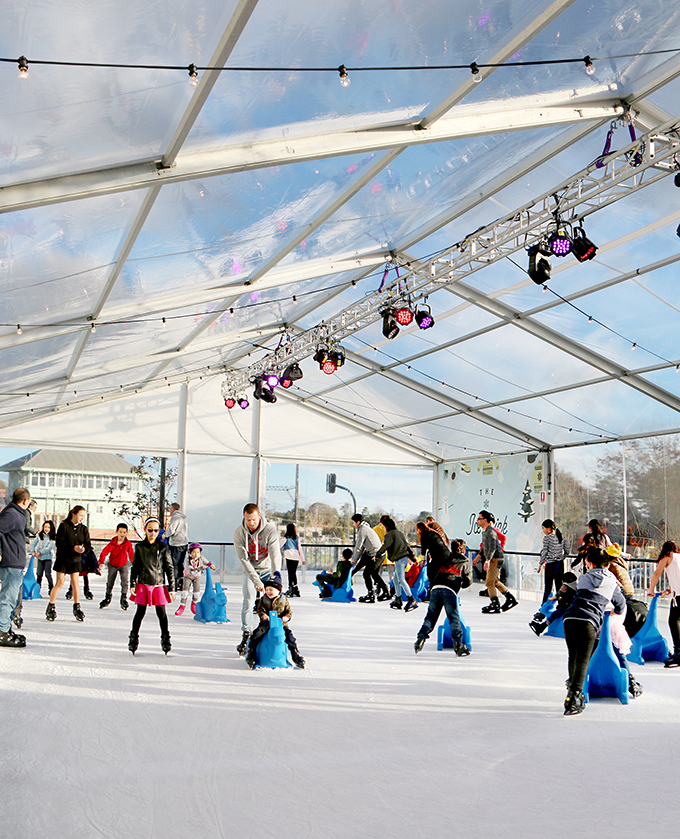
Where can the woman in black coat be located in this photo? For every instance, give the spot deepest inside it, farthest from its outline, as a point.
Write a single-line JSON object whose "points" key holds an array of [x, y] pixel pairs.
{"points": [[73, 540]]}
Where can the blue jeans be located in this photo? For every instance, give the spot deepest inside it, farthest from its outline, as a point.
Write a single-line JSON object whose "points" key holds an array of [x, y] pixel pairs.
{"points": [[400, 583], [249, 595], [445, 598], [10, 583]]}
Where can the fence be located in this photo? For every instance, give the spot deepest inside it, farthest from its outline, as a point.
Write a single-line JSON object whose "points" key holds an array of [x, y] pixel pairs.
{"points": [[520, 566]]}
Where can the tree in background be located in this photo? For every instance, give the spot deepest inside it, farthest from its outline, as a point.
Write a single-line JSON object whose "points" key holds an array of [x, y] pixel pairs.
{"points": [[146, 501]]}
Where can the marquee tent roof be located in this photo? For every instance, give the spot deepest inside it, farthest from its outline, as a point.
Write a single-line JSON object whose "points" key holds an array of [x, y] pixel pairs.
{"points": [[154, 233]]}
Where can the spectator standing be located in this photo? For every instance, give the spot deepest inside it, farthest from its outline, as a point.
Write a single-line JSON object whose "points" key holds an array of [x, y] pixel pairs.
{"points": [[178, 540], [12, 563]]}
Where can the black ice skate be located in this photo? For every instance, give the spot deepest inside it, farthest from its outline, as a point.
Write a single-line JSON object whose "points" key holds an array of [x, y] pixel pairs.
{"points": [[634, 687], [50, 612], [9, 639], [419, 644], [384, 596], [494, 607], [460, 649], [410, 604], [367, 598], [510, 602], [78, 613], [124, 605], [133, 642], [243, 646], [166, 646], [574, 703], [105, 602], [539, 626], [673, 660], [396, 603]]}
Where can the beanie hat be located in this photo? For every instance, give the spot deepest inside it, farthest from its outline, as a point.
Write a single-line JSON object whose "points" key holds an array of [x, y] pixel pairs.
{"points": [[274, 580], [195, 545]]}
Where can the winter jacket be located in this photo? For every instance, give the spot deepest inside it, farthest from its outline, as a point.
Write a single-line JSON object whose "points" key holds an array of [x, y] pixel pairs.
{"points": [[291, 550], [552, 549], [193, 568], [118, 555], [44, 547], [176, 531], [340, 573], [619, 568], [68, 536], [594, 590], [395, 545], [367, 541], [152, 565], [12, 538], [258, 552], [491, 544], [279, 604], [29, 532]]}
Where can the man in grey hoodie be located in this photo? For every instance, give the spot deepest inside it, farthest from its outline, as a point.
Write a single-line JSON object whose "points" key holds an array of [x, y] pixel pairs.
{"points": [[256, 542], [178, 541]]}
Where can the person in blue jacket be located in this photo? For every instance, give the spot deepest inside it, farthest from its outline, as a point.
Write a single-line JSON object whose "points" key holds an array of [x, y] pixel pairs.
{"points": [[12, 563]]}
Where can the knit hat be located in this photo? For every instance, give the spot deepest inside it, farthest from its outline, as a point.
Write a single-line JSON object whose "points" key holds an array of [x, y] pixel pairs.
{"points": [[274, 581], [195, 545], [614, 550]]}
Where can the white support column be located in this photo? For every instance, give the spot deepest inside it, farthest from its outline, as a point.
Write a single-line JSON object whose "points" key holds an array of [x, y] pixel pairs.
{"points": [[256, 433], [182, 445], [550, 483]]}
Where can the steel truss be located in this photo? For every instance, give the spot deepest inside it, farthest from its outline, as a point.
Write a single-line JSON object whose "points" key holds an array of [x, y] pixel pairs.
{"points": [[651, 157]]}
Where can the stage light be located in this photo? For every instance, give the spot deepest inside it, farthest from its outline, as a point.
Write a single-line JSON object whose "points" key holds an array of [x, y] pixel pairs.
{"points": [[337, 357], [581, 246], [328, 367], [390, 327], [243, 403], [424, 317], [291, 374], [272, 380], [230, 402], [560, 242], [404, 316], [263, 391], [539, 265]]}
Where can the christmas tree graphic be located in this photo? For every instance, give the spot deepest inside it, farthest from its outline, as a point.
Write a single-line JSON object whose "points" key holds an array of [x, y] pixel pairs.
{"points": [[527, 505]]}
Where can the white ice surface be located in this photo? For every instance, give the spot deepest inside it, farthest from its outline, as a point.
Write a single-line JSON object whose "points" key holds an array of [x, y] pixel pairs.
{"points": [[369, 740]]}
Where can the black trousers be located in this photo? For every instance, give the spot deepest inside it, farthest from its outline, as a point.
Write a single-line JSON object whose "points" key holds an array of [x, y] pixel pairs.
{"points": [[553, 573], [139, 617], [371, 567], [674, 623], [291, 567], [581, 637], [262, 629]]}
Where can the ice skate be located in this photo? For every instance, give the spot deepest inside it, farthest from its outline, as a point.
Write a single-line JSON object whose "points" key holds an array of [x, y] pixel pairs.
{"points": [[634, 687], [384, 596], [105, 602], [574, 703], [133, 642], [51, 612], [460, 649], [166, 646], [9, 639], [538, 626], [494, 607], [367, 598], [243, 646], [510, 602], [18, 621], [410, 604], [673, 660], [69, 593], [78, 612], [295, 591], [298, 660], [419, 644], [124, 605], [88, 595], [396, 603]]}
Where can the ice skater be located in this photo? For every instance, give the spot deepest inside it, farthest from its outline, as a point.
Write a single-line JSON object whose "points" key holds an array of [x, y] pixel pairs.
{"points": [[193, 568], [398, 551], [364, 556], [292, 553], [583, 622], [338, 578], [12, 563], [73, 539], [493, 559], [553, 551], [444, 571], [42, 548], [669, 561], [151, 568], [273, 601], [119, 552]]}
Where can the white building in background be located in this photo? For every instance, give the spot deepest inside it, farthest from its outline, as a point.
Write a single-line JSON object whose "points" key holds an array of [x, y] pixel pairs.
{"points": [[58, 480]]}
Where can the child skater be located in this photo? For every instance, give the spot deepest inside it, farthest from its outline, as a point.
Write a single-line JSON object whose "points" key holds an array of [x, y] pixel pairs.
{"points": [[273, 601], [193, 568], [338, 578], [42, 548], [150, 568], [583, 621], [119, 552]]}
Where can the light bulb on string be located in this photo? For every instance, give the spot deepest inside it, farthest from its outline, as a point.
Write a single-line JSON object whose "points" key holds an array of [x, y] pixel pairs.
{"points": [[19, 329], [93, 328], [344, 76], [590, 70], [23, 67], [193, 74], [164, 322], [476, 73]]}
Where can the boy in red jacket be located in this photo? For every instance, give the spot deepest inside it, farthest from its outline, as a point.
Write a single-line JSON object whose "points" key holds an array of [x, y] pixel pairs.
{"points": [[119, 552]]}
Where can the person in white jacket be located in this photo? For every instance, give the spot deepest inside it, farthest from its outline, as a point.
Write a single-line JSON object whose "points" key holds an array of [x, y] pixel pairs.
{"points": [[257, 546]]}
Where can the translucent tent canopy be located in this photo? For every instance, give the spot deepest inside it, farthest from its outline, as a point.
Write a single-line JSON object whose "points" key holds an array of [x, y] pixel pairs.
{"points": [[158, 238]]}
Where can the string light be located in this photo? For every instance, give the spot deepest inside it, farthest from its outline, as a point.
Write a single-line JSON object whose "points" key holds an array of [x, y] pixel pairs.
{"points": [[344, 76], [590, 70], [164, 321], [193, 76], [93, 328], [23, 67], [19, 329], [476, 73]]}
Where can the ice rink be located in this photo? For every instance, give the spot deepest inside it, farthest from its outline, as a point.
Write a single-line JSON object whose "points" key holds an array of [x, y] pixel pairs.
{"points": [[369, 740]]}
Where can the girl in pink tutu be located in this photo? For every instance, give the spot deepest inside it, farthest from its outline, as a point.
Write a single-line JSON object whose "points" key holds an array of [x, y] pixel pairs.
{"points": [[151, 566]]}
